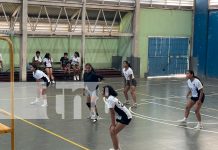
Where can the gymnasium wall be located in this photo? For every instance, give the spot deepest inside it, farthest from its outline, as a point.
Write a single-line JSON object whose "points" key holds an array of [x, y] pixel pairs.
{"points": [[98, 50], [153, 22], [212, 48], [157, 22], [125, 43]]}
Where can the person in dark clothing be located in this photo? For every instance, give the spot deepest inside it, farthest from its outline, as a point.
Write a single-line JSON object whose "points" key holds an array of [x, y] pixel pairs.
{"points": [[91, 83], [65, 65]]}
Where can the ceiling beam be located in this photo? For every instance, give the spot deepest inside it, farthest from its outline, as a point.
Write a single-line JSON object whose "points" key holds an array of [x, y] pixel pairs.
{"points": [[88, 6], [10, 1]]}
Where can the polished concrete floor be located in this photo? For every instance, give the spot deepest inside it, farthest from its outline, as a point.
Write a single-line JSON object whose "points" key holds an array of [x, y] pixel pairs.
{"points": [[154, 126]]}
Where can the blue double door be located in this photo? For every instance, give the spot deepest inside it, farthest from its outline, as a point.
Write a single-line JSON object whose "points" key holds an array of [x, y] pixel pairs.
{"points": [[167, 56]]}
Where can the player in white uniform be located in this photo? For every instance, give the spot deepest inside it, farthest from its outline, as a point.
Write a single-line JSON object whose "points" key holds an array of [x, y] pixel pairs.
{"points": [[75, 65], [48, 66], [197, 98], [123, 114], [42, 83], [129, 83]]}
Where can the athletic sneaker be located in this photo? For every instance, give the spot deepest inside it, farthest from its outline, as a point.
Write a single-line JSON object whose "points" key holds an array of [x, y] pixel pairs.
{"points": [[99, 118], [126, 103], [199, 126], [183, 121], [35, 102], [77, 78], [74, 78], [53, 82], [94, 118], [45, 104], [134, 105], [90, 115]]}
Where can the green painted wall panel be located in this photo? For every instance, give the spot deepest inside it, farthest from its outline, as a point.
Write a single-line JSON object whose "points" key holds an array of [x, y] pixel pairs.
{"points": [[157, 22], [125, 43], [99, 52]]}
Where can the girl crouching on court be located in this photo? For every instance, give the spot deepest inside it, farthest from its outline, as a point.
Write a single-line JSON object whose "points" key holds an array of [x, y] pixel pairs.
{"points": [[123, 114], [42, 83], [197, 98], [91, 84]]}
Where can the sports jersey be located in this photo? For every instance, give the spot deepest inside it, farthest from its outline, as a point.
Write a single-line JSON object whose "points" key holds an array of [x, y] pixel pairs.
{"points": [[39, 75], [120, 109], [195, 86], [127, 73]]}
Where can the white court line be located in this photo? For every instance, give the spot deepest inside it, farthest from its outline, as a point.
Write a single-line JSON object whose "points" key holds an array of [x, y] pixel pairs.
{"points": [[166, 99], [20, 98], [170, 124], [181, 109], [211, 85], [147, 102]]}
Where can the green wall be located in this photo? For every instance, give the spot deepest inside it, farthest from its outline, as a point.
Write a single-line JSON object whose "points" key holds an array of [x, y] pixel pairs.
{"points": [[153, 22], [99, 51], [157, 22], [125, 43]]}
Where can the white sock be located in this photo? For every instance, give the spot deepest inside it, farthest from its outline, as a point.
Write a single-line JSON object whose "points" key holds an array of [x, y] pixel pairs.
{"points": [[45, 102]]}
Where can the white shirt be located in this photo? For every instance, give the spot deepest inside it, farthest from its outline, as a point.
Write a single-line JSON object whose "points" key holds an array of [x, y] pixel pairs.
{"points": [[39, 75], [75, 60], [38, 59], [194, 86], [47, 62], [120, 109], [127, 73]]}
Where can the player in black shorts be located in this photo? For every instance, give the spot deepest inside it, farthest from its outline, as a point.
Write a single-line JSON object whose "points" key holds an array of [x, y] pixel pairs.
{"points": [[123, 117], [42, 83], [197, 98], [91, 84]]}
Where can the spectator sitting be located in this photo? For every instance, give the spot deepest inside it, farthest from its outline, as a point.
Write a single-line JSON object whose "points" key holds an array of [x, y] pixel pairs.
{"points": [[65, 65], [48, 66], [37, 60], [75, 64]]}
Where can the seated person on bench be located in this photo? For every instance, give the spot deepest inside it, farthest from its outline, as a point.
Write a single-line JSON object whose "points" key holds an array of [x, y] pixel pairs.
{"points": [[65, 65], [37, 60]]}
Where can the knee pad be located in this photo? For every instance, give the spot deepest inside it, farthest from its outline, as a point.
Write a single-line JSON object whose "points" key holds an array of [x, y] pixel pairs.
{"points": [[88, 104]]}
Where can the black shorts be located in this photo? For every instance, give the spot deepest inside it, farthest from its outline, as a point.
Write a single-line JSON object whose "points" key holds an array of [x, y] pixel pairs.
{"points": [[195, 99], [127, 82], [125, 121]]}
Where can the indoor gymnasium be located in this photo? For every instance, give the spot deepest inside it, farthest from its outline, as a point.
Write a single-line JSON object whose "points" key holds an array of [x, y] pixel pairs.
{"points": [[108, 74]]}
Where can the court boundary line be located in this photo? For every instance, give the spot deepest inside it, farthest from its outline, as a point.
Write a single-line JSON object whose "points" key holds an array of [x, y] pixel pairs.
{"points": [[169, 124], [48, 131], [166, 99], [147, 102]]}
